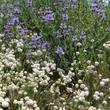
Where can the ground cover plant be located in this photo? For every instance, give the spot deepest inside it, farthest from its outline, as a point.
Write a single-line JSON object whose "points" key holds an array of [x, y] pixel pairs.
{"points": [[54, 55]]}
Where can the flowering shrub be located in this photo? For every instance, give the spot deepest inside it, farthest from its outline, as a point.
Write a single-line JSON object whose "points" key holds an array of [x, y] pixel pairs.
{"points": [[54, 55]]}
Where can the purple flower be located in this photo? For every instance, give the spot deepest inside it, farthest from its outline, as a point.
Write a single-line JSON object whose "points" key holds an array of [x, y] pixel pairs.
{"points": [[8, 26], [10, 14], [103, 17], [17, 11], [23, 31], [15, 20], [36, 39], [65, 17], [75, 38], [23, 39], [97, 9], [2, 7], [48, 17], [29, 3], [66, 5], [63, 26], [32, 45], [59, 51], [65, 33], [82, 35], [94, 6], [44, 45], [59, 35]]}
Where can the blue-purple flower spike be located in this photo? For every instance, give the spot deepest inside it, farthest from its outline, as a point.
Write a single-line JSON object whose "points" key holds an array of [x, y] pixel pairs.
{"points": [[59, 51]]}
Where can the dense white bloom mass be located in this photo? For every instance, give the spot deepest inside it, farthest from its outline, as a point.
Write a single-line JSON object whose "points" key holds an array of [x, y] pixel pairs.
{"points": [[5, 104]]}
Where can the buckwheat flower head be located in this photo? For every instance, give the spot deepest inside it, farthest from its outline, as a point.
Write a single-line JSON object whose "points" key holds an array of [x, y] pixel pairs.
{"points": [[59, 51], [104, 102], [92, 108], [5, 104], [107, 45]]}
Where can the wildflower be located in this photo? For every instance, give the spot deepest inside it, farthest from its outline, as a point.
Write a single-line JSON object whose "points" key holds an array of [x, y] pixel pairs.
{"points": [[15, 20], [29, 3], [29, 55], [65, 33], [92, 108], [104, 102], [98, 10], [32, 45], [107, 45], [36, 39], [94, 6], [29, 102], [59, 51], [82, 35], [102, 83], [23, 31], [108, 29], [5, 104], [106, 2], [63, 26], [74, 38], [8, 26], [44, 45], [16, 9], [48, 17], [9, 14], [65, 17], [59, 35], [96, 63]]}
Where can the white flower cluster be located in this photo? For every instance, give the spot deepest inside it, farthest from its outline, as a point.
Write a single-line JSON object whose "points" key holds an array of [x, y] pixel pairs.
{"points": [[32, 83], [81, 93], [8, 59], [107, 45], [104, 81], [97, 95], [26, 104], [18, 44], [41, 73], [4, 102]]}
